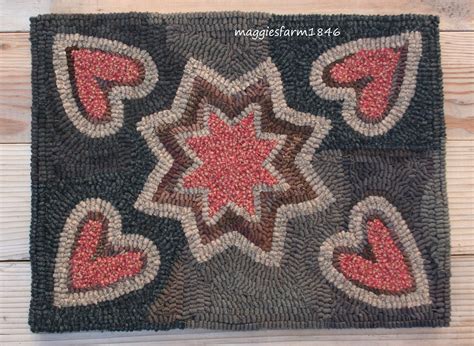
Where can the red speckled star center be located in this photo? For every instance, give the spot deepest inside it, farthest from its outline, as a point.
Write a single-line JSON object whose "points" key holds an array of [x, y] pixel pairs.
{"points": [[232, 164]]}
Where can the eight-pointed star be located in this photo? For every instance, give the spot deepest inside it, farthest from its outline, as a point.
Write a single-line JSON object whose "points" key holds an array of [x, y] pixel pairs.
{"points": [[206, 175]]}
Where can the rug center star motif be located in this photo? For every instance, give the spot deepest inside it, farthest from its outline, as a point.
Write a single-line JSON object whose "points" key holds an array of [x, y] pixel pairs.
{"points": [[233, 163], [232, 166]]}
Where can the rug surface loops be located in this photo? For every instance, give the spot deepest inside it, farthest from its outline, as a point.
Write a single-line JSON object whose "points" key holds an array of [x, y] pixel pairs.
{"points": [[237, 171]]}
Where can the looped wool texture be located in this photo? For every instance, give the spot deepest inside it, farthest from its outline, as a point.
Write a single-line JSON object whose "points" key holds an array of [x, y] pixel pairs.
{"points": [[237, 171]]}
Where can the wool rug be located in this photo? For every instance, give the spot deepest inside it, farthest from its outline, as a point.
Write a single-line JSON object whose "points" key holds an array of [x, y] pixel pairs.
{"points": [[237, 171]]}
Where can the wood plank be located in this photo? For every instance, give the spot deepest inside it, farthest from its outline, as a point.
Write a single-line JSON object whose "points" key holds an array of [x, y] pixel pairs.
{"points": [[458, 83], [454, 14], [15, 291], [15, 198], [15, 87]]}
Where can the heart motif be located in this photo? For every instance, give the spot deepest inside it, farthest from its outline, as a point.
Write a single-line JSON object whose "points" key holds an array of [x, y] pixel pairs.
{"points": [[378, 66], [90, 67], [394, 277], [89, 269], [374, 77], [388, 272], [94, 76], [96, 261]]}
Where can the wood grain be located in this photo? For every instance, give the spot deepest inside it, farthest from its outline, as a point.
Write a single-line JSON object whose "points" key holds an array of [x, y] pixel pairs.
{"points": [[15, 188], [15, 88], [454, 14], [15, 294]]}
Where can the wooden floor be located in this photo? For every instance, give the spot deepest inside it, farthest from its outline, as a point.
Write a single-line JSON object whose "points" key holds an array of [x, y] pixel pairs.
{"points": [[457, 46]]}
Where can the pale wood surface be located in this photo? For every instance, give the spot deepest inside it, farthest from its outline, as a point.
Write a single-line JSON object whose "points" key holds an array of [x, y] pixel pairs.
{"points": [[457, 45], [454, 14]]}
